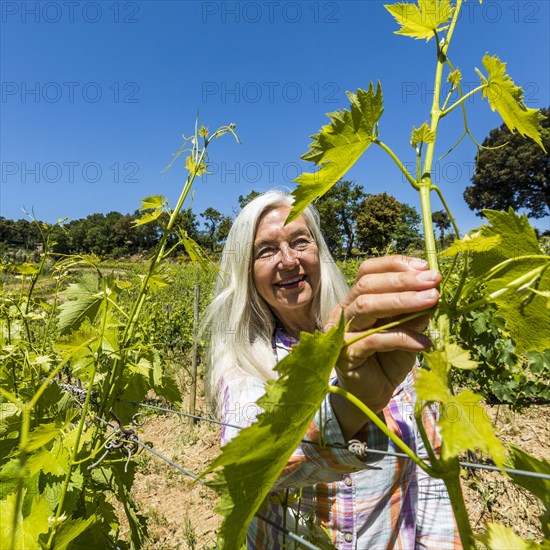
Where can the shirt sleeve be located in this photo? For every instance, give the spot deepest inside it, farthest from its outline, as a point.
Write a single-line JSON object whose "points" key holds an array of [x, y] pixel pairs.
{"points": [[321, 458]]}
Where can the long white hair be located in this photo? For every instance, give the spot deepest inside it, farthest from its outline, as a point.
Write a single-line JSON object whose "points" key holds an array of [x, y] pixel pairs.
{"points": [[239, 324]]}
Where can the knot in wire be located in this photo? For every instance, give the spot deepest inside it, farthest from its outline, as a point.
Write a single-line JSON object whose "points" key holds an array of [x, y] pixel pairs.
{"points": [[358, 448], [123, 439]]}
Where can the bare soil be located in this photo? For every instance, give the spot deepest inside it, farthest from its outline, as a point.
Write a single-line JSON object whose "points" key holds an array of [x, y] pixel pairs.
{"points": [[181, 512]]}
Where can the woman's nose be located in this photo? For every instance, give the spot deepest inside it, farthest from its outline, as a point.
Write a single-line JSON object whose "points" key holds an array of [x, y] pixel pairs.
{"points": [[288, 256]]}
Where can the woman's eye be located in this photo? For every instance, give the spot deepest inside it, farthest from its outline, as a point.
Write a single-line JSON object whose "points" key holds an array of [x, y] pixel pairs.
{"points": [[301, 244], [267, 251]]}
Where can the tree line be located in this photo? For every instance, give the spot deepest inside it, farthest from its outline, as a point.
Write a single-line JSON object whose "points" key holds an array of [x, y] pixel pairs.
{"points": [[354, 223]]}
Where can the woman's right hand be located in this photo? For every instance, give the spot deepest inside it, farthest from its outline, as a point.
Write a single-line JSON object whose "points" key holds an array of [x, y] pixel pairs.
{"points": [[385, 290]]}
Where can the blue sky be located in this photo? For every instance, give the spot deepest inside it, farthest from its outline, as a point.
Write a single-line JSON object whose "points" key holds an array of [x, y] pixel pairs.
{"points": [[96, 95]]}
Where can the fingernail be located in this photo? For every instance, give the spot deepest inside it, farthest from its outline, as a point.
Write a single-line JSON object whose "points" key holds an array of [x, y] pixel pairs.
{"points": [[429, 294], [430, 275], [418, 263]]}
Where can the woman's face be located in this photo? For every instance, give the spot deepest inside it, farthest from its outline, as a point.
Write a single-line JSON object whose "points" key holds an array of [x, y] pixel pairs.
{"points": [[286, 269]]}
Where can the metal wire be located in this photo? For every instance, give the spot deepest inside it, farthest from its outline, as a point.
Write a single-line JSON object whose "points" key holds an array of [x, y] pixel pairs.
{"points": [[471, 465]]}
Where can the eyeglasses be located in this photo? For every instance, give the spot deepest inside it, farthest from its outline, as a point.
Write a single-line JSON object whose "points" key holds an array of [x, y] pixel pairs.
{"points": [[268, 250]]}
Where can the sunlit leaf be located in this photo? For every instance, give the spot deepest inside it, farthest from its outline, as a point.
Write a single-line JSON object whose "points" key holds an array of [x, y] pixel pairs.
{"points": [[70, 529], [463, 422], [338, 146], [471, 243], [26, 268], [250, 464], [161, 277], [459, 358], [422, 20], [148, 217], [196, 253], [422, 135], [193, 167], [526, 312], [41, 435], [84, 302], [152, 201], [503, 538], [454, 77], [507, 98], [518, 459], [28, 529]]}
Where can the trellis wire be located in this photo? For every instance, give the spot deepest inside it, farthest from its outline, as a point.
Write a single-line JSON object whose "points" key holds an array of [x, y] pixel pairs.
{"points": [[471, 465]]}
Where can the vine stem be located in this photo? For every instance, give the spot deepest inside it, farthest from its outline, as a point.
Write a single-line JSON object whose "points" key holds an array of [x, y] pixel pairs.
{"points": [[138, 304], [67, 480], [514, 285], [375, 420], [462, 100], [399, 164]]}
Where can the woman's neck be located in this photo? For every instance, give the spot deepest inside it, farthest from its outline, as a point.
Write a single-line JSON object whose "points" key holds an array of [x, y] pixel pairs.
{"points": [[293, 328]]}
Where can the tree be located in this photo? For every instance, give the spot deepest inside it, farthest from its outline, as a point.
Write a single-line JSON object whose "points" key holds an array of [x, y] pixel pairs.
{"points": [[441, 220], [406, 233], [338, 209], [217, 227], [376, 219], [243, 201], [514, 175]]}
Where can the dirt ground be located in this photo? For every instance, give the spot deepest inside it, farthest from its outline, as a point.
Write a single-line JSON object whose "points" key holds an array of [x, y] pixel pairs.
{"points": [[181, 512]]}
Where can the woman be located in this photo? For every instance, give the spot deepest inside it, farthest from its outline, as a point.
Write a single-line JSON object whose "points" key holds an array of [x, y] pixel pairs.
{"points": [[278, 280]]}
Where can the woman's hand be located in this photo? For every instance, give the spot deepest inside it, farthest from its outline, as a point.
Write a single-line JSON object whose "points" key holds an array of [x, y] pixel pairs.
{"points": [[385, 290]]}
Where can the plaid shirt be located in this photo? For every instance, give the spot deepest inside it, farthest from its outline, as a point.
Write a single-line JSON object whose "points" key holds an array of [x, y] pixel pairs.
{"points": [[382, 502]]}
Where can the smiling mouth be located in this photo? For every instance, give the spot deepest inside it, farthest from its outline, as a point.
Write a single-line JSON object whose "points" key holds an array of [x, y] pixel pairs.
{"points": [[295, 282]]}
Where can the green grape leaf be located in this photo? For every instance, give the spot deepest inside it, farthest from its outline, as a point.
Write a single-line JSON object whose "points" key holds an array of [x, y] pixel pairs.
{"points": [[471, 243], [10, 417], [28, 528], [422, 135], [463, 422], [194, 167], [54, 461], [41, 435], [498, 536], [148, 217], [421, 21], [338, 146], [454, 77], [26, 268], [518, 459], [161, 277], [70, 529], [203, 131], [196, 253], [9, 475], [539, 362], [516, 265], [459, 358], [249, 465], [84, 302], [152, 201], [507, 98]]}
